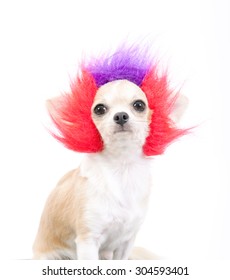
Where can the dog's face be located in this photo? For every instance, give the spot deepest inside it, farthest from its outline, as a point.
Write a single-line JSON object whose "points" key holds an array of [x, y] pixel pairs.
{"points": [[121, 114]]}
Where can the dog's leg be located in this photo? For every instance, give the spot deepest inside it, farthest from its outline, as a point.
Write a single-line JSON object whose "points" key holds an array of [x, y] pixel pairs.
{"points": [[123, 252], [106, 255], [87, 249]]}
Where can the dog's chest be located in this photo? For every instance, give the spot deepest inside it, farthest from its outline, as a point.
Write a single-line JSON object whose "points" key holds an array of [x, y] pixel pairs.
{"points": [[120, 222], [119, 200]]}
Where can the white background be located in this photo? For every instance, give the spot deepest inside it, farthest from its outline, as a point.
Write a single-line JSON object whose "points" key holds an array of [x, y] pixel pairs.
{"points": [[40, 45]]}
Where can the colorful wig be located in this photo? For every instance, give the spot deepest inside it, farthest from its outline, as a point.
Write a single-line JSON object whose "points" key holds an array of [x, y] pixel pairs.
{"points": [[71, 113]]}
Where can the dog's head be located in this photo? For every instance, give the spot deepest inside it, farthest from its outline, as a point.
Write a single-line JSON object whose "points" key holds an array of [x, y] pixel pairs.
{"points": [[121, 114], [119, 99]]}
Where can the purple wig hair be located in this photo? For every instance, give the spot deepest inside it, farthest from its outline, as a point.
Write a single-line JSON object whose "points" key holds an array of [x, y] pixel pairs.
{"points": [[128, 62], [72, 112]]}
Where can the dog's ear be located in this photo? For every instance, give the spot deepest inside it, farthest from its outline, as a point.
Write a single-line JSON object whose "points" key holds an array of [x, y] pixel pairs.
{"points": [[179, 108], [50, 104], [54, 107]]}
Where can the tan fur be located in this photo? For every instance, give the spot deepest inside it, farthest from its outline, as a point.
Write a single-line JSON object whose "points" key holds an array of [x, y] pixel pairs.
{"points": [[139, 253], [59, 215], [96, 210]]}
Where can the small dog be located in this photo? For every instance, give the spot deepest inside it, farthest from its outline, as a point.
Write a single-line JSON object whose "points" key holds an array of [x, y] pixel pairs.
{"points": [[97, 209]]}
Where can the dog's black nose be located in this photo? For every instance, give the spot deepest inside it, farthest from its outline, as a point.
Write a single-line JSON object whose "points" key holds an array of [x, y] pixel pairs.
{"points": [[121, 118]]}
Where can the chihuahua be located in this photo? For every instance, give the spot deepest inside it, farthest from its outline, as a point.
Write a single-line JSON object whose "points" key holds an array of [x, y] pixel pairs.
{"points": [[97, 209]]}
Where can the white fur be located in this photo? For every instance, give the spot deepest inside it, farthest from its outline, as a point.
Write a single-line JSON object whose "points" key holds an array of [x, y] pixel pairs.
{"points": [[110, 189], [117, 193]]}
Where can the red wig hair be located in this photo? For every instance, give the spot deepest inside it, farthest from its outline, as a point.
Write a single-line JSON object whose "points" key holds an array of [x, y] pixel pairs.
{"points": [[71, 113]]}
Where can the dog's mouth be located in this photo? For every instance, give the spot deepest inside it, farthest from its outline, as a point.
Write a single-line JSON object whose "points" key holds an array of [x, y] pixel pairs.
{"points": [[122, 130]]}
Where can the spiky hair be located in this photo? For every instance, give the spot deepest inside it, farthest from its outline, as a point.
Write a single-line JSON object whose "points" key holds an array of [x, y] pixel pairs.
{"points": [[71, 113]]}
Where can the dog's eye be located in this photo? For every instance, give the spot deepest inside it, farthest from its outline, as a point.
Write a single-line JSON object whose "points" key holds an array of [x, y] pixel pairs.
{"points": [[139, 105], [100, 109]]}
